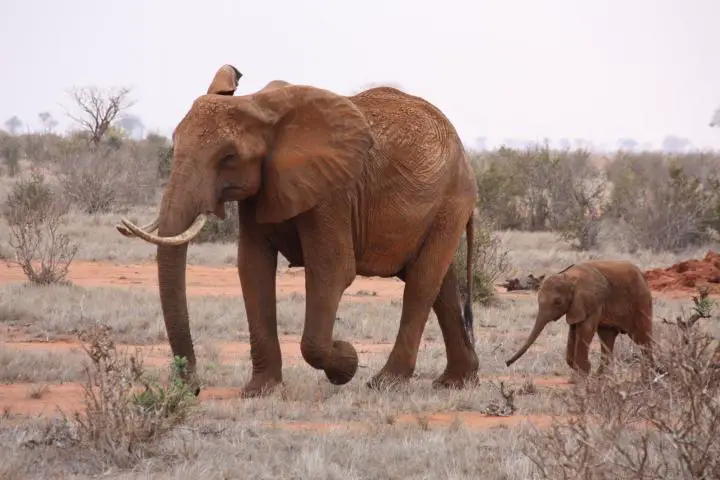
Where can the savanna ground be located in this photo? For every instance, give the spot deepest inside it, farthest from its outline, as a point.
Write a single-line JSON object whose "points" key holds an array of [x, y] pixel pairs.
{"points": [[309, 428]]}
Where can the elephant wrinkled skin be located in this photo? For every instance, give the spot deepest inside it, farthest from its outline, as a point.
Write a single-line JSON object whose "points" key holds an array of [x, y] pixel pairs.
{"points": [[602, 297], [374, 184]]}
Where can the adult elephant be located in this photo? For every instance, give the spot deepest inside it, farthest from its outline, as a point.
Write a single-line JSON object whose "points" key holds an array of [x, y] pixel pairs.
{"points": [[374, 184]]}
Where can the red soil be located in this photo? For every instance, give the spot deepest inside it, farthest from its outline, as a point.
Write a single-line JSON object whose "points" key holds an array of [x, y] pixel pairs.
{"points": [[688, 275]]}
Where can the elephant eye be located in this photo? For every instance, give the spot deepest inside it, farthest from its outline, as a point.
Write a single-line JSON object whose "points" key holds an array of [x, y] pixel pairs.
{"points": [[227, 161], [557, 301]]}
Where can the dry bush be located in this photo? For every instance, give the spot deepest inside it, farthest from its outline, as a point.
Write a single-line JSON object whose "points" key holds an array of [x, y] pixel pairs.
{"points": [[664, 202], [119, 424], [42, 149], [116, 173], [576, 197], [36, 215], [621, 426], [490, 261], [10, 152]]}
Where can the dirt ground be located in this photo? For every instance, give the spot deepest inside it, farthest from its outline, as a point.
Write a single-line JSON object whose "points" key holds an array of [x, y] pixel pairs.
{"points": [[17, 399]]}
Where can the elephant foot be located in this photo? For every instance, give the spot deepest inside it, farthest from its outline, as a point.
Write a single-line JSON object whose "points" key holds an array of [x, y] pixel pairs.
{"points": [[389, 378], [343, 363], [260, 386], [456, 381], [577, 377]]}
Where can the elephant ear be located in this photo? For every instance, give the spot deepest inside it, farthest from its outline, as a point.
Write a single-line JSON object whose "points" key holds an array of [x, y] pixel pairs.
{"points": [[578, 311], [225, 81], [319, 146], [590, 291]]}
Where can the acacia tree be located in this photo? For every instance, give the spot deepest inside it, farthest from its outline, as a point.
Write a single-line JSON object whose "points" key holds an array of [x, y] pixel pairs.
{"points": [[98, 108], [13, 124]]}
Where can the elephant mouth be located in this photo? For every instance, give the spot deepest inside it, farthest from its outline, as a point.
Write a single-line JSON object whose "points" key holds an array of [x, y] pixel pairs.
{"points": [[231, 193]]}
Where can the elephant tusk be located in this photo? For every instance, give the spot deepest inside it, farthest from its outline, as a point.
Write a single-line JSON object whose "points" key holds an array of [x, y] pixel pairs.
{"points": [[149, 228], [180, 239]]}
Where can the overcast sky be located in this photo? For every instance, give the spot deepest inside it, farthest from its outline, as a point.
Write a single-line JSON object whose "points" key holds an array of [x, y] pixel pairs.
{"points": [[530, 69]]}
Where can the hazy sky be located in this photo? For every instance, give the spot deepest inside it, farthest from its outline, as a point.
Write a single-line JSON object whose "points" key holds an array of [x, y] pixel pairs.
{"points": [[500, 69]]}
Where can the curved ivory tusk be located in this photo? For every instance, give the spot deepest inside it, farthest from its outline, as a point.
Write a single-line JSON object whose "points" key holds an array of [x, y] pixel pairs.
{"points": [[149, 228], [180, 239]]}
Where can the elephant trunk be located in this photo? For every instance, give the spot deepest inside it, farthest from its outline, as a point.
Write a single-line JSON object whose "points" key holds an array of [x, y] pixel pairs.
{"points": [[534, 334], [178, 212]]}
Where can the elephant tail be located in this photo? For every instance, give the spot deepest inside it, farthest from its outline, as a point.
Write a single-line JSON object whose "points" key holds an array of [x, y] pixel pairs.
{"points": [[467, 311]]}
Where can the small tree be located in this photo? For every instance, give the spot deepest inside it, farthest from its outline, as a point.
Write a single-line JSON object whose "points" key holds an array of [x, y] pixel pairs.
{"points": [[13, 124], [576, 195], [10, 152], [48, 122], [98, 109], [35, 217]]}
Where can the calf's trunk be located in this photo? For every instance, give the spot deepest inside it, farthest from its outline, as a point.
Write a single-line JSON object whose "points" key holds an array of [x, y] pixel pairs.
{"points": [[534, 334]]}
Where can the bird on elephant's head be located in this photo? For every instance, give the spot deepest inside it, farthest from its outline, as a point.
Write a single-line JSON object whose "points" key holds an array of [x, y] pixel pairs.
{"points": [[375, 184]]}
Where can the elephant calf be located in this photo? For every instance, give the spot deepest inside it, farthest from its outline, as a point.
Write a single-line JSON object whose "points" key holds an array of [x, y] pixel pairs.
{"points": [[603, 297]]}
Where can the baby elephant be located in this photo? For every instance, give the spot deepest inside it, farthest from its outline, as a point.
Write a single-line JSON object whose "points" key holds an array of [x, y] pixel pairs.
{"points": [[603, 297]]}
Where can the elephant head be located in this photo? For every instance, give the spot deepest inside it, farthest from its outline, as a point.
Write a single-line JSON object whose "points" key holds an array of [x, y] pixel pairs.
{"points": [[577, 291], [285, 147], [555, 297]]}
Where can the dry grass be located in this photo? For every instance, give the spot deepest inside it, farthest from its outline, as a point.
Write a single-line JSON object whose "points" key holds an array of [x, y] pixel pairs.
{"points": [[136, 316], [215, 450], [20, 366], [264, 438]]}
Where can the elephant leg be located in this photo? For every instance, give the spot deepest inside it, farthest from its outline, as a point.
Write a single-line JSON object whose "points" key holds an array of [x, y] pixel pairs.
{"points": [[583, 335], [644, 340], [423, 280], [570, 348], [329, 261], [257, 263], [462, 361], [607, 338]]}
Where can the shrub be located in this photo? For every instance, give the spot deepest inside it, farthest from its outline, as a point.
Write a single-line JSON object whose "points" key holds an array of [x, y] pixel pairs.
{"points": [[10, 150], [119, 423], [576, 197], [489, 260], [35, 215], [99, 178], [661, 204], [620, 426]]}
